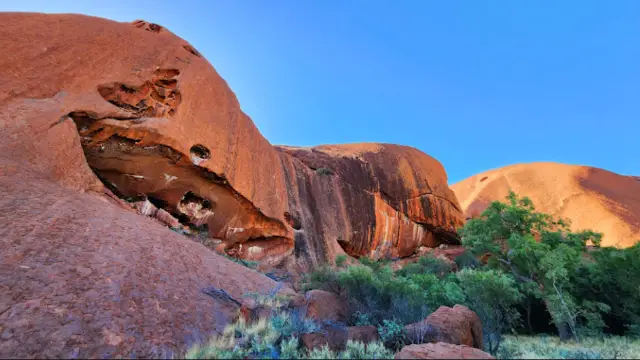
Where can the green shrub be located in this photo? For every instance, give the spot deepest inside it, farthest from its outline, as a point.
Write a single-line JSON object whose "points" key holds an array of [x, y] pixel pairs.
{"points": [[290, 349], [340, 260], [322, 278], [467, 260], [276, 337], [358, 350], [427, 265], [362, 318], [322, 353], [493, 296], [392, 333], [239, 340], [375, 292]]}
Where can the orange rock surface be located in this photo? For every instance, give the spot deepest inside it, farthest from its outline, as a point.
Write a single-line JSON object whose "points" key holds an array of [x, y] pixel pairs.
{"points": [[441, 350], [376, 200], [591, 198], [96, 116], [457, 325], [155, 122]]}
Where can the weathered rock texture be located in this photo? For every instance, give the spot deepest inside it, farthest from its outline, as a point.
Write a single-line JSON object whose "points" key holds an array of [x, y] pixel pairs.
{"points": [[441, 350], [97, 115], [81, 278], [156, 122], [457, 325], [591, 198], [376, 200]]}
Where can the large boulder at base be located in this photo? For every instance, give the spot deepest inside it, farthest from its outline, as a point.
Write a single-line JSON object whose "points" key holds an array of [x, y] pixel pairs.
{"points": [[154, 121], [457, 325], [591, 198], [441, 351]]}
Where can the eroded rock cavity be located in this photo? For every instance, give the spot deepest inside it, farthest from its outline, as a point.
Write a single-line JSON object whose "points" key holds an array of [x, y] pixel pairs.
{"points": [[176, 183]]}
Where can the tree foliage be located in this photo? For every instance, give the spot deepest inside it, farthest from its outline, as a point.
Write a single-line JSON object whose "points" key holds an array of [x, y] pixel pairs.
{"points": [[541, 253], [493, 296]]}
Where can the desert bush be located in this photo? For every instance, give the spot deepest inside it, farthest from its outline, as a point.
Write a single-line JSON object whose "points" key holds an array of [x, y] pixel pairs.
{"points": [[427, 265], [322, 353], [276, 336], [341, 260], [357, 350], [467, 260], [374, 292], [322, 278], [547, 347], [493, 296], [392, 333]]}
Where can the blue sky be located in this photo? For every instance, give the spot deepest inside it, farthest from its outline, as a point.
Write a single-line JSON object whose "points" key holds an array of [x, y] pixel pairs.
{"points": [[475, 84]]}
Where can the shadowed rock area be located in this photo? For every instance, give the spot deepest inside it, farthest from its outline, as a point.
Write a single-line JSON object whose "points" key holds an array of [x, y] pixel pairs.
{"points": [[92, 138], [591, 198]]}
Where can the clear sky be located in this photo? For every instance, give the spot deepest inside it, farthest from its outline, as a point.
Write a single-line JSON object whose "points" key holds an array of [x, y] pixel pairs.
{"points": [[475, 84]]}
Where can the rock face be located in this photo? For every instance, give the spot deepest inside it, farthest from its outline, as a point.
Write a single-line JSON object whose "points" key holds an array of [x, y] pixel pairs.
{"points": [[441, 351], [81, 278], [375, 200], [591, 198], [324, 306], [457, 325], [155, 122], [96, 116]]}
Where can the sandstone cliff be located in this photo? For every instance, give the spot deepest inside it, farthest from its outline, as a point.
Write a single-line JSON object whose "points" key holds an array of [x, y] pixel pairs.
{"points": [[145, 112], [99, 121], [591, 198]]}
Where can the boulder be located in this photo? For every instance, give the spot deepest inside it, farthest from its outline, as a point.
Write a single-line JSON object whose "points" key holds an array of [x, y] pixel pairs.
{"points": [[323, 306], [457, 325], [591, 198], [441, 351]]}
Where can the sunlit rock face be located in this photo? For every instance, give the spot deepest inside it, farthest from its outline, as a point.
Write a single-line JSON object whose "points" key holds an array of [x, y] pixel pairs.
{"points": [[590, 198], [153, 121]]}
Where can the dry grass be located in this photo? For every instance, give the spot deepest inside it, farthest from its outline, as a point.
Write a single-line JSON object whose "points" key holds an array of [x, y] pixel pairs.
{"points": [[550, 347]]}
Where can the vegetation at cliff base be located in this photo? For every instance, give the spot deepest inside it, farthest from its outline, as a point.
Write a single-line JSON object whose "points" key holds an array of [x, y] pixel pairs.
{"points": [[524, 273]]}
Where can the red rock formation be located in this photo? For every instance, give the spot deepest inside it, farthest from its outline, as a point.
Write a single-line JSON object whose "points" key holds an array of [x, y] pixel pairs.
{"points": [[80, 277], [591, 198], [155, 121], [87, 102], [325, 306], [457, 325], [441, 350], [376, 200]]}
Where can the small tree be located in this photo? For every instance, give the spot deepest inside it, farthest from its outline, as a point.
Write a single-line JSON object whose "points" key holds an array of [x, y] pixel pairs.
{"points": [[536, 250], [493, 296]]}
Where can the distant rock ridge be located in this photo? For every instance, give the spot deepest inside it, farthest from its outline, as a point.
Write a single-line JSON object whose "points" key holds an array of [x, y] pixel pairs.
{"points": [[589, 197]]}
